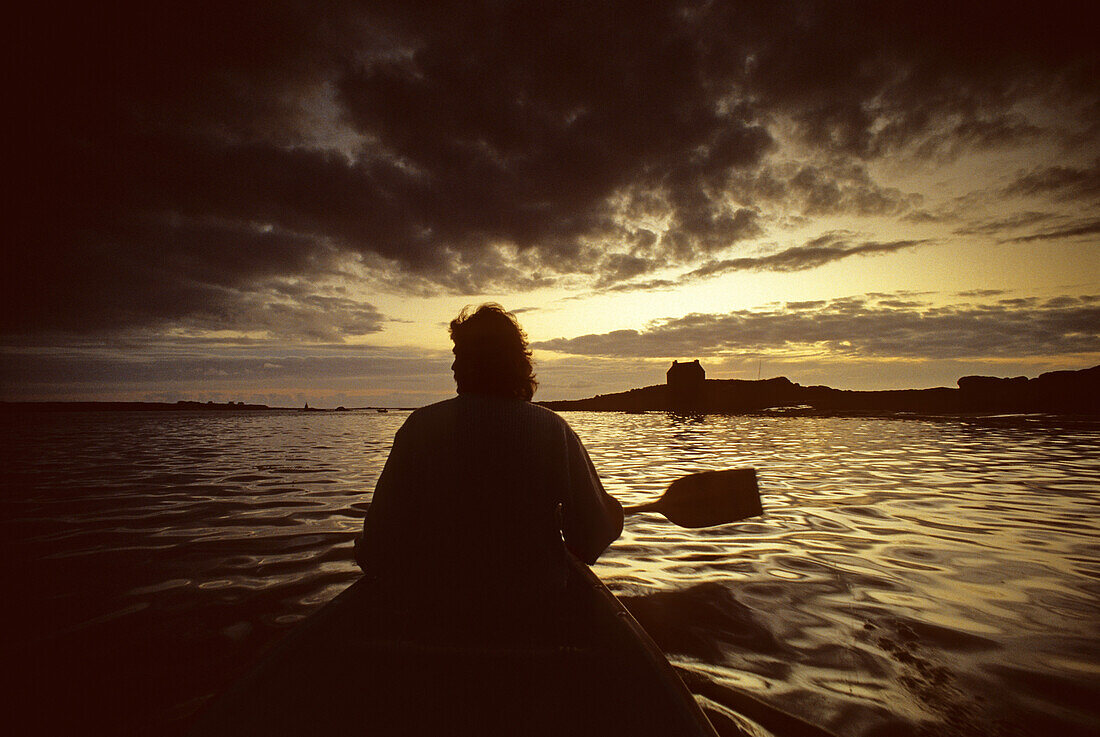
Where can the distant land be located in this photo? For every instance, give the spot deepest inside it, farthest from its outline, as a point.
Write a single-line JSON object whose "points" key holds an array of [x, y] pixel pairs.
{"points": [[687, 390], [180, 406]]}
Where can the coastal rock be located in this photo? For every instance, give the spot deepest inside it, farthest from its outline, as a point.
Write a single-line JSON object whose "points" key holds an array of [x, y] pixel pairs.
{"points": [[1064, 392], [688, 391]]}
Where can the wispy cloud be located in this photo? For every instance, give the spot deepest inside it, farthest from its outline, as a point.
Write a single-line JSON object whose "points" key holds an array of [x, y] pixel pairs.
{"points": [[864, 327], [1063, 182], [816, 252], [1077, 230], [1000, 225]]}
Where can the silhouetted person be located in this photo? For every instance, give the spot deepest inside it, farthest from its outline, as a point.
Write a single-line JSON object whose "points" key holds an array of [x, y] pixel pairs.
{"points": [[479, 490]]}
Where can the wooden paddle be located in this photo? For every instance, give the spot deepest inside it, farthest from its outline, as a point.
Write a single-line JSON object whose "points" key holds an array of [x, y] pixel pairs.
{"points": [[708, 498]]}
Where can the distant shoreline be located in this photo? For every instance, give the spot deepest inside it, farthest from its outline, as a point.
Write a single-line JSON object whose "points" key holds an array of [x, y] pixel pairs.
{"points": [[1055, 392], [181, 406]]}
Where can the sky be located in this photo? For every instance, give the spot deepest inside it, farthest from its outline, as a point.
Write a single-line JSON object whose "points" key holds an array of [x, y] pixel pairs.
{"points": [[286, 202]]}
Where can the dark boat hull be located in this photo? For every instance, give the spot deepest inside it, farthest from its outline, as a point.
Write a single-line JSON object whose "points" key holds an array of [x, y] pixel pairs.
{"points": [[358, 667]]}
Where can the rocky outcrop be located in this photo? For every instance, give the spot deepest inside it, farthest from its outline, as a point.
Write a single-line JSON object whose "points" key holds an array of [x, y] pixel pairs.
{"points": [[634, 400], [1064, 392], [1059, 392]]}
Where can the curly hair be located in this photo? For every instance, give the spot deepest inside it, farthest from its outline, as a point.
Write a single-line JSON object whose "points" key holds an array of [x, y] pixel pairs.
{"points": [[491, 354]]}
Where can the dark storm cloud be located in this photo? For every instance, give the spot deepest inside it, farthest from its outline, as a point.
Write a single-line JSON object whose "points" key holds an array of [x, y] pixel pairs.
{"points": [[810, 190], [863, 328], [872, 77], [170, 272], [621, 267], [160, 267], [176, 158], [988, 132]]}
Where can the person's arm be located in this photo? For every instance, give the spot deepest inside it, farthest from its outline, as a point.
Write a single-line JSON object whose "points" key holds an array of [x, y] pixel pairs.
{"points": [[592, 519], [381, 502]]}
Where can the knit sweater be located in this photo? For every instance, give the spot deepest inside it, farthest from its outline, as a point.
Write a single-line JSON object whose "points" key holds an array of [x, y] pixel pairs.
{"points": [[476, 497]]}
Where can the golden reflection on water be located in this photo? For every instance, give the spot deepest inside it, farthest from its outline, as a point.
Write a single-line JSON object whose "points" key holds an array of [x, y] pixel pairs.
{"points": [[906, 574], [876, 527]]}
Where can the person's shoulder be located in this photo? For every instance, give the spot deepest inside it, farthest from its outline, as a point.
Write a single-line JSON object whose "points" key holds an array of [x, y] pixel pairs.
{"points": [[539, 411], [430, 413], [434, 408], [548, 417]]}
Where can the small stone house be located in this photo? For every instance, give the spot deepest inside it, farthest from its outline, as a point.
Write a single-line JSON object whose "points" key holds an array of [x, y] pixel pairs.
{"points": [[686, 382], [685, 374]]}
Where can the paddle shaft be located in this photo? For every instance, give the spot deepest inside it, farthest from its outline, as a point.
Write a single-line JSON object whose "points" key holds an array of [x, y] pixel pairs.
{"points": [[650, 507]]}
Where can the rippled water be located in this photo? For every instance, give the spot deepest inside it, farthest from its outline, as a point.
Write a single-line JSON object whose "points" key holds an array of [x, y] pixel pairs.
{"points": [[910, 576]]}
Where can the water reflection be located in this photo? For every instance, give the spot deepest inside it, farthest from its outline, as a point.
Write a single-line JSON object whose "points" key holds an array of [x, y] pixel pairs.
{"points": [[909, 575]]}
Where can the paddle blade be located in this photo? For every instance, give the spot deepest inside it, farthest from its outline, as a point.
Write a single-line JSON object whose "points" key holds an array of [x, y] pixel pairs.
{"points": [[712, 498]]}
